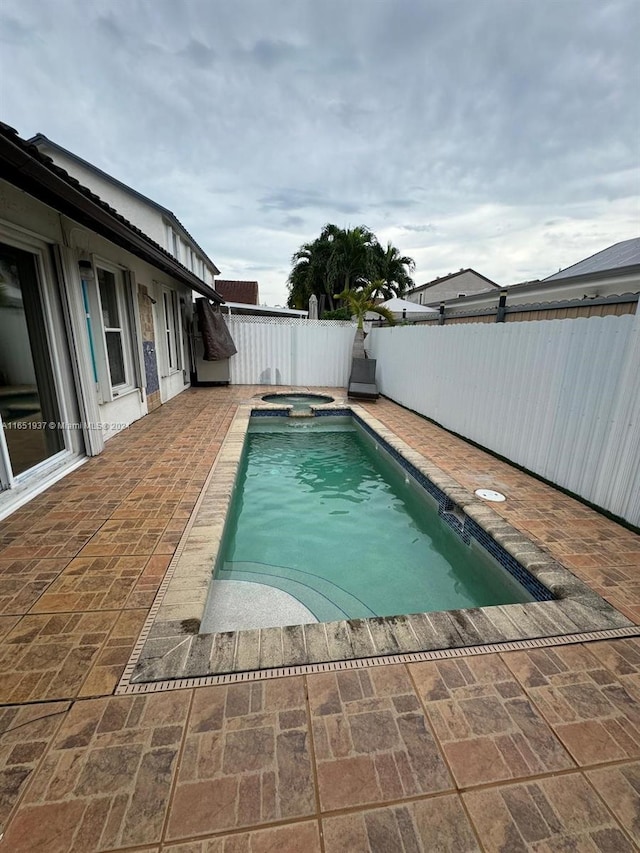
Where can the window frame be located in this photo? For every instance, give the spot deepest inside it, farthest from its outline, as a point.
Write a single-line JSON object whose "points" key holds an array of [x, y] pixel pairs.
{"points": [[109, 391], [172, 331], [50, 291]]}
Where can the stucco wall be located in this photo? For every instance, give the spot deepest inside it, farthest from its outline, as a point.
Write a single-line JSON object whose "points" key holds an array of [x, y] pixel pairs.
{"points": [[467, 282], [18, 208], [136, 211]]}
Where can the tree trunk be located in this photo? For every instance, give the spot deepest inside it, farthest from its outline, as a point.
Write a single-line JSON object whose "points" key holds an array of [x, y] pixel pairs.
{"points": [[358, 345]]}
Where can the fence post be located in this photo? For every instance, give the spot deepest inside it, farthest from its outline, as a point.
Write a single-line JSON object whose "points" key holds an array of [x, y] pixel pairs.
{"points": [[502, 309]]}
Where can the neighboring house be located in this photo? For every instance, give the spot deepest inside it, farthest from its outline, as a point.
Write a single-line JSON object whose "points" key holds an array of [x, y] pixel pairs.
{"points": [[238, 291], [158, 223], [241, 297], [607, 282], [92, 321], [452, 286]]}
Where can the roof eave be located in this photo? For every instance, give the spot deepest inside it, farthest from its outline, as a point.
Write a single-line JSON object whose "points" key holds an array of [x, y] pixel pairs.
{"points": [[615, 272], [40, 138], [35, 177]]}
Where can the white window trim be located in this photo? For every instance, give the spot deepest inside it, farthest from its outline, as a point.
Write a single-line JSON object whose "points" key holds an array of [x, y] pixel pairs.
{"points": [[29, 241], [109, 392], [171, 334]]}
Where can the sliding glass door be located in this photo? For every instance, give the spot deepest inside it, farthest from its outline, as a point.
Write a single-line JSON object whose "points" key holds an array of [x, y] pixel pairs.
{"points": [[30, 406]]}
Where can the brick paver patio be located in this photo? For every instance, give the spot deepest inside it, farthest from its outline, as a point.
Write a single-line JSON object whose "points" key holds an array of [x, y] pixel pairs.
{"points": [[523, 750]]}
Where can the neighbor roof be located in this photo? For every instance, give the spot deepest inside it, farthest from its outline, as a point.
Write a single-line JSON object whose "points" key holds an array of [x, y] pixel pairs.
{"points": [[397, 305], [40, 139], [616, 257], [24, 166], [238, 291], [450, 276]]}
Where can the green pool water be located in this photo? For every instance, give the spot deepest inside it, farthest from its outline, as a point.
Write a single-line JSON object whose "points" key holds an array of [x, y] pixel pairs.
{"points": [[322, 514]]}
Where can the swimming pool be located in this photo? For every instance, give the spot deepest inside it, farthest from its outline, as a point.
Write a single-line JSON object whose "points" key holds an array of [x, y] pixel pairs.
{"points": [[178, 647], [323, 513]]}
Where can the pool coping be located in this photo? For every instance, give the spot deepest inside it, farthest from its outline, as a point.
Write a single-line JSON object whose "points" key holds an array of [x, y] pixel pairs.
{"points": [[170, 649]]}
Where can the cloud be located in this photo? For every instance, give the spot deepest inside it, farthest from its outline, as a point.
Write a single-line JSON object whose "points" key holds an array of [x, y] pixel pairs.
{"points": [[198, 53], [419, 229], [293, 222], [290, 198], [494, 135], [13, 30], [271, 52]]}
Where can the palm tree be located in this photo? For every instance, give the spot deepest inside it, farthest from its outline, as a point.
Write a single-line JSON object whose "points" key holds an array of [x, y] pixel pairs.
{"points": [[359, 302], [342, 259], [381, 290], [394, 268], [352, 258], [309, 273]]}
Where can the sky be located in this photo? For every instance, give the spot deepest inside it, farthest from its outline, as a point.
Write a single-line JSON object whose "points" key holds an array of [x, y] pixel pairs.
{"points": [[500, 135]]}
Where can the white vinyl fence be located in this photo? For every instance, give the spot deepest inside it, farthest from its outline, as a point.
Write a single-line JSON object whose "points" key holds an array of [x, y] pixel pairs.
{"points": [[283, 351], [559, 397]]}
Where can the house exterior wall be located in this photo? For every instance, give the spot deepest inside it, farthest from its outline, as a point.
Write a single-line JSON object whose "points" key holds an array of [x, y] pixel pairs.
{"points": [[557, 291], [141, 280], [136, 211], [466, 282], [140, 213]]}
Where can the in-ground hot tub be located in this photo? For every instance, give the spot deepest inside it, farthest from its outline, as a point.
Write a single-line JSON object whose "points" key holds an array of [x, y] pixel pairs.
{"points": [[298, 401]]}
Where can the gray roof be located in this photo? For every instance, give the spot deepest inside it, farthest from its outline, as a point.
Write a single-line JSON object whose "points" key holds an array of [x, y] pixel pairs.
{"points": [[618, 256], [448, 277]]}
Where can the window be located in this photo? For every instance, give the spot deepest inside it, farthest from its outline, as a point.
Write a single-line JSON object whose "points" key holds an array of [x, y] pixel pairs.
{"points": [[176, 245], [172, 329], [114, 323]]}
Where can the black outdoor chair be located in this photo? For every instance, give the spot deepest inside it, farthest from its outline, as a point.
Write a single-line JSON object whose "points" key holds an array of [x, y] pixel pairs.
{"points": [[362, 382]]}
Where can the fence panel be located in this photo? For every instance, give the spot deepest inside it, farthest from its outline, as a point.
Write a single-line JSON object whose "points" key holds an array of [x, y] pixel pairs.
{"points": [[559, 397], [279, 351]]}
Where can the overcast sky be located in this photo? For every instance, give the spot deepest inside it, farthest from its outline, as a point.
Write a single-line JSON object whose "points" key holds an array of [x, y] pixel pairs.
{"points": [[499, 135]]}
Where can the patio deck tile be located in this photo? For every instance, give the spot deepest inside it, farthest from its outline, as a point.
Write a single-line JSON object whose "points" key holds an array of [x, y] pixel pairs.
{"points": [[91, 583], [107, 668], [619, 787], [595, 716], [487, 727], [295, 838], [545, 815], [105, 781], [246, 759], [368, 753], [25, 733], [371, 738], [47, 656], [23, 580], [422, 826]]}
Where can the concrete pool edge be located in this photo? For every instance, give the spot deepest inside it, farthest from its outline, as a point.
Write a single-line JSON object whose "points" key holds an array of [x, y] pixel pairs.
{"points": [[171, 648]]}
